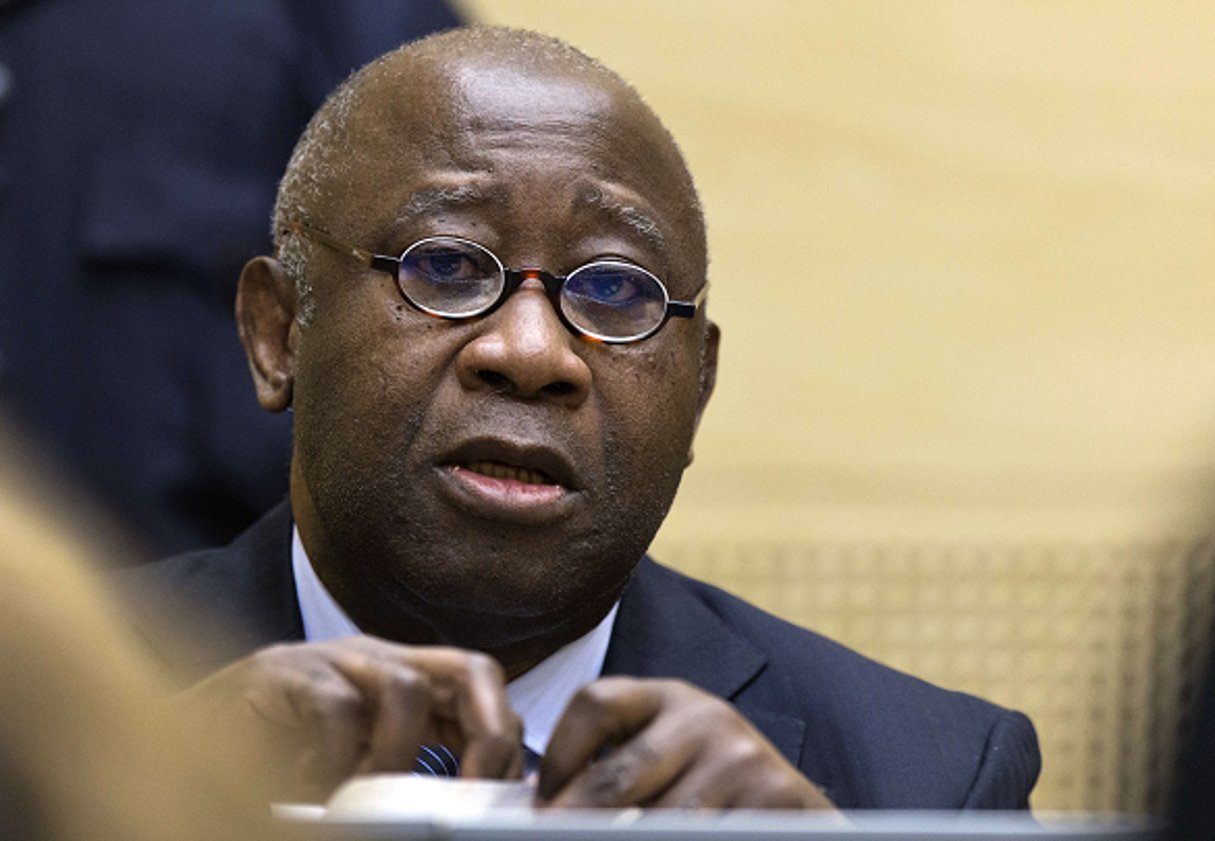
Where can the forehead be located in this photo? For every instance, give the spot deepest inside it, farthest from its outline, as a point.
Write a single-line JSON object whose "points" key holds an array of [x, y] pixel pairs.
{"points": [[485, 135]]}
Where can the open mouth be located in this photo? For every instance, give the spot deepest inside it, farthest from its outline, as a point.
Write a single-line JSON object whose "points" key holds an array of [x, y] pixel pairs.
{"points": [[511, 481], [498, 470]]}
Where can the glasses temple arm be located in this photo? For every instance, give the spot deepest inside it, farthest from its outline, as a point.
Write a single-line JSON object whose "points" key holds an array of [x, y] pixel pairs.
{"points": [[309, 232], [687, 309]]}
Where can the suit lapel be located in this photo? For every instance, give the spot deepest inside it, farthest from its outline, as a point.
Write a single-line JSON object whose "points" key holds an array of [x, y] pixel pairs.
{"points": [[663, 630], [233, 600], [270, 609]]}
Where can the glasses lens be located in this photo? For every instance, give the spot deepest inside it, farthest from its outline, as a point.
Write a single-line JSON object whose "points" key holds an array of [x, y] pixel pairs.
{"points": [[450, 277], [614, 300]]}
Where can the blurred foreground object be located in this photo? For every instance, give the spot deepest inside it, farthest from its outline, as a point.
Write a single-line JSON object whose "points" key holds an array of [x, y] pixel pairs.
{"points": [[87, 750]]}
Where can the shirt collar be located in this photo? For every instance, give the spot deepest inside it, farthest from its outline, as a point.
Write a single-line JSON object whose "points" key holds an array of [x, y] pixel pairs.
{"points": [[539, 696]]}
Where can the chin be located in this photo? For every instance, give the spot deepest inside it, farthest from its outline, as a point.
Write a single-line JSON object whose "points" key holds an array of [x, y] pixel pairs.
{"points": [[513, 629]]}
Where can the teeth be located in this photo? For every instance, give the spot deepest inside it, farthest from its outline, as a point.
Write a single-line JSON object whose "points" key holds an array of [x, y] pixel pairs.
{"points": [[498, 470]]}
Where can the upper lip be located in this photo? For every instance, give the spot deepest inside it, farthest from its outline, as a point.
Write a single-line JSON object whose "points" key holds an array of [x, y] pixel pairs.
{"points": [[551, 462]]}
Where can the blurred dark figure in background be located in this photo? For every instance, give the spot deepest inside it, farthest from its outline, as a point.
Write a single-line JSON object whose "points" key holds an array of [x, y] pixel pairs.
{"points": [[140, 148]]}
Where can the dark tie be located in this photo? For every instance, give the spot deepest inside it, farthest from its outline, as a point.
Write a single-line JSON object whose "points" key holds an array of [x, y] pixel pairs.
{"points": [[531, 761], [436, 761], [439, 761]]}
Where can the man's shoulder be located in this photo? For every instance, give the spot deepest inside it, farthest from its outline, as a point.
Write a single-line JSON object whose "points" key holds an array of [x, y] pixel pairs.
{"points": [[202, 574], [235, 597], [780, 642], [863, 719], [785, 643]]}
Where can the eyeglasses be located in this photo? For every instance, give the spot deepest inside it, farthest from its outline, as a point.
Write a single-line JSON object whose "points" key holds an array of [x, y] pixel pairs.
{"points": [[609, 301]]}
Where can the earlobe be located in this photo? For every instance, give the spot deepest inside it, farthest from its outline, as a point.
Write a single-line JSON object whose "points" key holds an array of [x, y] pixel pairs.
{"points": [[708, 373], [265, 318]]}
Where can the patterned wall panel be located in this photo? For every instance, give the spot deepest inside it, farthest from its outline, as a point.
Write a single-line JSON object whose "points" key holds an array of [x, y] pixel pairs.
{"points": [[1099, 644]]}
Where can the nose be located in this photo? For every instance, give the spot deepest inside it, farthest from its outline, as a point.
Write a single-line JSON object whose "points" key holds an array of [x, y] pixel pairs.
{"points": [[524, 349]]}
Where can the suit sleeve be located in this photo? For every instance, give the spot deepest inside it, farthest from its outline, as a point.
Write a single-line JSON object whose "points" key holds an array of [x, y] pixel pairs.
{"points": [[1009, 767]]}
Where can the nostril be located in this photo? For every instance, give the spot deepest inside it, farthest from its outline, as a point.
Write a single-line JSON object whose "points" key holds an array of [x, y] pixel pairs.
{"points": [[558, 389], [493, 378]]}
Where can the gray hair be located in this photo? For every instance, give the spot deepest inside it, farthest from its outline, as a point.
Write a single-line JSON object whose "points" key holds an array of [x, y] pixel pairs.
{"points": [[316, 162]]}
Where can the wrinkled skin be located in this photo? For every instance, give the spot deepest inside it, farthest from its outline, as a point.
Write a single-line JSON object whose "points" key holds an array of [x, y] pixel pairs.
{"points": [[387, 400], [550, 165]]}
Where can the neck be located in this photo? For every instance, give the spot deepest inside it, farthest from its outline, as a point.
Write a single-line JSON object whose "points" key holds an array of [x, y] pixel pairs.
{"points": [[518, 643]]}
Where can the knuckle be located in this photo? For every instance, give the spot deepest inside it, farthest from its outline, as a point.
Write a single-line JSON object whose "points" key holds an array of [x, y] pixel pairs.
{"points": [[784, 792], [748, 750], [591, 702], [272, 655], [713, 707], [368, 644], [680, 693], [748, 757], [503, 745], [715, 715], [611, 780], [640, 753], [335, 700], [679, 690], [483, 667], [273, 652], [406, 683]]}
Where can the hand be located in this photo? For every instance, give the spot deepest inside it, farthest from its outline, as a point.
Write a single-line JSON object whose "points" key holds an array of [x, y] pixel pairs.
{"points": [[323, 711], [632, 742]]}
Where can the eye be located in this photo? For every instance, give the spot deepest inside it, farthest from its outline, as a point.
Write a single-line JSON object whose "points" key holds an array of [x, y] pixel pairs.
{"points": [[449, 277], [611, 287], [447, 264]]}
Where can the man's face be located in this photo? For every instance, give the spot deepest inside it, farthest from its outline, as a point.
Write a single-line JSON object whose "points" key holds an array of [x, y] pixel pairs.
{"points": [[492, 483]]}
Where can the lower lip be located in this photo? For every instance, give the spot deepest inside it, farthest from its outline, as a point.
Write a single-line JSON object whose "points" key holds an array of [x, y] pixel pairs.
{"points": [[506, 495]]}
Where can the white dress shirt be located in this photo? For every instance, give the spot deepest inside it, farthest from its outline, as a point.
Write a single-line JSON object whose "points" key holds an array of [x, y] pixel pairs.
{"points": [[539, 696]]}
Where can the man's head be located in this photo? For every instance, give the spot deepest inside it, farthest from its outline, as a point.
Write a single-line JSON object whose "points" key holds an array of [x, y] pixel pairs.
{"points": [[489, 482]]}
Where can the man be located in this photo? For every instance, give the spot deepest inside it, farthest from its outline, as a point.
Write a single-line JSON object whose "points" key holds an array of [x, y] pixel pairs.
{"points": [[483, 452]]}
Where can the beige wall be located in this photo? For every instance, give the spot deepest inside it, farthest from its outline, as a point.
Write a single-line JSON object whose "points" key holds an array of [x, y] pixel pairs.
{"points": [[963, 257]]}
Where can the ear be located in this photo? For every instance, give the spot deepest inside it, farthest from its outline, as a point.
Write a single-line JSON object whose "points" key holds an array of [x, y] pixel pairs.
{"points": [[708, 373], [265, 318]]}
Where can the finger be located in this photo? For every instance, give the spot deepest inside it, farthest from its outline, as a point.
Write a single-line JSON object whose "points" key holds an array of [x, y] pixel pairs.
{"points": [[492, 731], [306, 719], [701, 787], [468, 691], [740, 770], [403, 701], [782, 791], [633, 774], [606, 713], [335, 724], [736, 771], [471, 693]]}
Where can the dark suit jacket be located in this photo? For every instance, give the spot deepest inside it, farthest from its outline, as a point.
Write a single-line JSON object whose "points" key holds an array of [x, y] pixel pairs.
{"points": [[141, 142], [870, 736], [1193, 811]]}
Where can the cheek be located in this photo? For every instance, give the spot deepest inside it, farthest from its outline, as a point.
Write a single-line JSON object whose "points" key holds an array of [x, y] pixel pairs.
{"points": [[361, 393], [650, 416]]}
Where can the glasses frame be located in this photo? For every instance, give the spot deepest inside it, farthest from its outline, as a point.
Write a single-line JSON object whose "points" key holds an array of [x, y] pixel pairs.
{"points": [[512, 280]]}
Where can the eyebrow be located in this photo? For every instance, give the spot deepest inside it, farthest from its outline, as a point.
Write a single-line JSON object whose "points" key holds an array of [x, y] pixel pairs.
{"points": [[623, 213], [430, 200]]}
